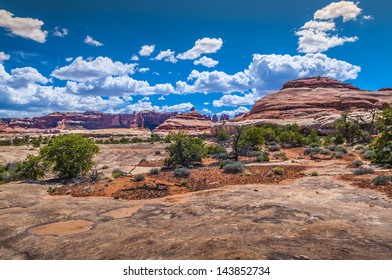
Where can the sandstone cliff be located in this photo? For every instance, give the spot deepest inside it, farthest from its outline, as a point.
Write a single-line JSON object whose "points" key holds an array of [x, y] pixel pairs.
{"points": [[192, 122], [311, 103]]}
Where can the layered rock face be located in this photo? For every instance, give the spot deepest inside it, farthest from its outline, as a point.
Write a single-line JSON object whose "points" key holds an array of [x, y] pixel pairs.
{"points": [[87, 120], [192, 122], [311, 103]]}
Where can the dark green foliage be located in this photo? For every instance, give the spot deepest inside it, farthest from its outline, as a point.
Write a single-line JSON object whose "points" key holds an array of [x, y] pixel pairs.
{"points": [[185, 150], [254, 153], [357, 163], [368, 154], [382, 145], [117, 172], [214, 150], [139, 177], [182, 172], [314, 174], [157, 152], [234, 168], [184, 183], [291, 139], [339, 139], [337, 155], [279, 156], [154, 171], [70, 155], [222, 136], [313, 137], [32, 168], [263, 158], [273, 148], [382, 180]]}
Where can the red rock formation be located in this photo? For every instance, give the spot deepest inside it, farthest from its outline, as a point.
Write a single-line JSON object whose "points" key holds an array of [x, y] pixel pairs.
{"points": [[215, 118], [314, 103], [224, 117], [89, 120], [192, 122]]}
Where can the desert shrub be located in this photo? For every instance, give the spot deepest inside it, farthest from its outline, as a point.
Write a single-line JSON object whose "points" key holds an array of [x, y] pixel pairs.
{"points": [[341, 149], [263, 158], [357, 163], [154, 171], [336, 155], [70, 155], [339, 139], [359, 147], [32, 168], [291, 139], [254, 153], [313, 137], [382, 180], [363, 171], [314, 173], [325, 152], [332, 148], [312, 151], [182, 172], [382, 145], [274, 148], [117, 172], [139, 177], [185, 150], [368, 154], [279, 155], [272, 143], [157, 152], [277, 171], [214, 150], [234, 168], [222, 163], [184, 183], [314, 145]]}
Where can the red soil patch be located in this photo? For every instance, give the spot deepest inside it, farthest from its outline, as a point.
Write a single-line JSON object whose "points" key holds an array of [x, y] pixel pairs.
{"points": [[366, 182], [165, 184]]}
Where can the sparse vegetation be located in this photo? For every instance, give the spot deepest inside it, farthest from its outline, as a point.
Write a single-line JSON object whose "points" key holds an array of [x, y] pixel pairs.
{"points": [[382, 145], [234, 168], [139, 177], [184, 183], [277, 171], [357, 163], [382, 180], [182, 172], [314, 174], [117, 172], [363, 171], [154, 171], [157, 152], [368, 154]]}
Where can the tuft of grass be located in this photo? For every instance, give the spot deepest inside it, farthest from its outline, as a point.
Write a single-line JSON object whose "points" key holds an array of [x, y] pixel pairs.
{"points": [[184, 183], [363, 171], [117, 172], [157, 152], [382, 180], [234, 168], [182, 172], [277, 171], [337, 155], [314, 173], [139, 177], [357, 163], [154, 171]]}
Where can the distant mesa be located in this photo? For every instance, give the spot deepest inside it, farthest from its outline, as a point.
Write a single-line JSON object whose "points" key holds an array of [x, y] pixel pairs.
{"points": [[311, 103]]}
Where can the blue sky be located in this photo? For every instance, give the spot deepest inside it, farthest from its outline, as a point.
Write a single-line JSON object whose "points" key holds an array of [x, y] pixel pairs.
{"points": [[122, 56]]}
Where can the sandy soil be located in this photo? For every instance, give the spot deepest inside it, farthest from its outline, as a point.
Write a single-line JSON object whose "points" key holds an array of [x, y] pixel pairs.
{"points": [[302, 217]]}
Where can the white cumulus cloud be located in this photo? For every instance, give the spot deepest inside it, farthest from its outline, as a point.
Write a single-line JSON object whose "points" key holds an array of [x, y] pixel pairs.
{"points": [[29, 28], [135, 58], [202, 46], [206, 61], [147, 50], [144, 69], [90, 41], [83, 70], [4, 57], [235, 112], [346, 9], [167, 56], [235, 100], [60, 31]]}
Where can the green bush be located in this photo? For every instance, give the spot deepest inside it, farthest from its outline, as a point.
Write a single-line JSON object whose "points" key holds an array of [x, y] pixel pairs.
{"points": [[263, 158], [359, 147], [291, 139], [363, 171], [157, 152], [368, 154], [139, 177], [337, 155], [32, 168], [214, 150], [341, 149], [314, 173], [185, 150], [117, 172], [279, 155], [182, 172], [234, 168], [184, 183], [274, 148], [154, 171], [254, 153], [357, 163], [277, 171], [382, 180], [70, 155]]}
